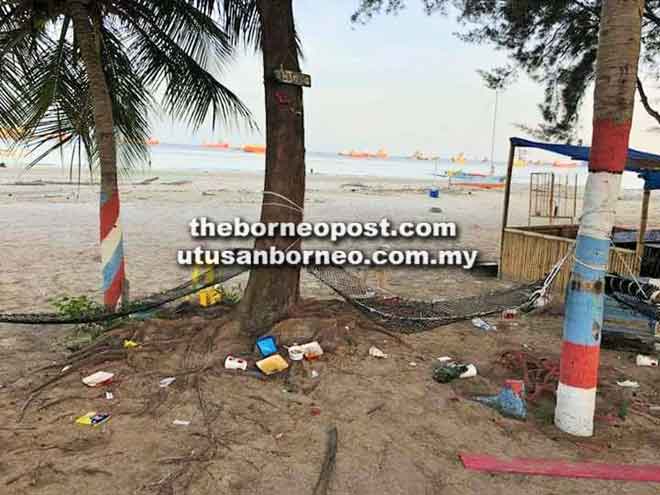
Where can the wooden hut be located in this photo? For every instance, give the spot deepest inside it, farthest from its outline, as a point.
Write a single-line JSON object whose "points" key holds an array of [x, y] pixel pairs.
{"points": [[529, 252]]}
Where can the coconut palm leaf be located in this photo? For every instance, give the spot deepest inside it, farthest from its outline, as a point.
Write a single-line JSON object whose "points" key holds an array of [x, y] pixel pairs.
{"points": [[148, 47]]}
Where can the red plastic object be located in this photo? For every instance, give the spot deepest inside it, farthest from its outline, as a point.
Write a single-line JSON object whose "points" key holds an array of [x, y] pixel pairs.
{"points": [[563, 469], [518, 386]]}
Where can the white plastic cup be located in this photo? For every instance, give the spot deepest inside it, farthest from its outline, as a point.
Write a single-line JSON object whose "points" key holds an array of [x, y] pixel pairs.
{"points": [[234, 363], [646, 360]]}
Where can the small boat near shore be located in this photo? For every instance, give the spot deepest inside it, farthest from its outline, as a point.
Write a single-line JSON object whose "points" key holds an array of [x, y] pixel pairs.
{"points": [[478, 181]]}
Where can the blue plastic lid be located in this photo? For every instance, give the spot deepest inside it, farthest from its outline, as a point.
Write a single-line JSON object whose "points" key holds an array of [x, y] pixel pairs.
{"points": [[267, 345]]}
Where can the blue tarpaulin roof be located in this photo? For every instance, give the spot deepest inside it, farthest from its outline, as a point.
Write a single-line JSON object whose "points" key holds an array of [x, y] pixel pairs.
{"points": [[647, 165]]}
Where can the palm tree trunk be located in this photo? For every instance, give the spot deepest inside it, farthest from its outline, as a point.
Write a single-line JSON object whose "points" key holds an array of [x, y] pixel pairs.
{"points": [[271, 291], [618, 57], [112, 257]]}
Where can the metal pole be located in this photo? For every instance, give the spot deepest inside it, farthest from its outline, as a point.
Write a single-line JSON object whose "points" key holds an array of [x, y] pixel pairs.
{"points": [[492, 140]]}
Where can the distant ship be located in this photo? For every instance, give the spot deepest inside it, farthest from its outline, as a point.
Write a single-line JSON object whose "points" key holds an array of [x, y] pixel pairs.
{"points": [[222, 146], [254, 148], [418, 155], [381, 153], [460, 158]]}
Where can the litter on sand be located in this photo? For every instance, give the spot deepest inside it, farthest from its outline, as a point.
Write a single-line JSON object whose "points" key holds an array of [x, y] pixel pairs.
{"points": [[448, 370], [93, 418], [97, 379], [234, 363], [628, 384], [130, 344], [643, 360], [310, 351], [166, 382], [376, 352], [109, 395], [483, 325], [181, 422], [272, 364], [509, 401], [267, 345]]}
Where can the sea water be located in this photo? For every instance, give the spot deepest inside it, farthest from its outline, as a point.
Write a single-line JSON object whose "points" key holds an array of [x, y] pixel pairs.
{"points": [[180, 158]]}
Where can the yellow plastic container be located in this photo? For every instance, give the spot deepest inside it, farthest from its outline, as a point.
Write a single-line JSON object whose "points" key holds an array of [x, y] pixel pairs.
{"points": [[209, 297], [272, 364]]}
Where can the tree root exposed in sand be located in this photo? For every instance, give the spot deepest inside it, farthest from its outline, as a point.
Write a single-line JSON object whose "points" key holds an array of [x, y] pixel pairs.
{"points": [[328, 467]]}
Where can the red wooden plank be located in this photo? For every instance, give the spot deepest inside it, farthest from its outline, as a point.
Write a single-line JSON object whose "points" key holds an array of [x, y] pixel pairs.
{"points": [[545, 467]]}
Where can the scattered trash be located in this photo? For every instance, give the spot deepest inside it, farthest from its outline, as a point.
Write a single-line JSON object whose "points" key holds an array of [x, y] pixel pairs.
{"points": [[93, 418], [166, 382], [315, 374], [296, 353], [109, 395], [445, 359], [315, 411], [435, 209], [234, 363], [97, 379], [509, 314], [181, 422], [278, 436], [541, 373], [448, 370], [65, 369], [628, 384], [413, 364], [509, 402], [313, 350], [209, 297], [646, 360], [483, 325], [376, 352], [130, 344], [272, 364], [310, 351], [267, 345], [470, 372]]}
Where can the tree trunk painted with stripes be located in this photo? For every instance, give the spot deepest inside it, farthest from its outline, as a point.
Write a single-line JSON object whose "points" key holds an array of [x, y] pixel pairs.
{"points": [[618, 57], [271, 291], [112, 256]]}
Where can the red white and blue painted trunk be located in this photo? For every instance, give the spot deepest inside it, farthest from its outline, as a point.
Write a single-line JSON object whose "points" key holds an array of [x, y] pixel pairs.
{"points": [[576, 394], [614, 102], [112, 250]]}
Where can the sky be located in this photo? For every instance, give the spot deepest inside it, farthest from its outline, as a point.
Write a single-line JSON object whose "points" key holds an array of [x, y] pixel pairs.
{"points": [[403, 83]]}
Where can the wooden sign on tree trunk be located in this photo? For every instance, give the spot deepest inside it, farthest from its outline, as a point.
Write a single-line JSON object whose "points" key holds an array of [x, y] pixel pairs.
{"points": [[292, 77]]}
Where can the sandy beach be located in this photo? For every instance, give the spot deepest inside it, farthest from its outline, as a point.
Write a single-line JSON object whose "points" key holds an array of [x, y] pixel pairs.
{"points": [[49, 231], [399, 431]]}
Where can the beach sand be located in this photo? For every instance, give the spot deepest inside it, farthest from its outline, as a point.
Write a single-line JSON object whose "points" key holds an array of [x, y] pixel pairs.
{"points": [[399, 431], [49, 232]]}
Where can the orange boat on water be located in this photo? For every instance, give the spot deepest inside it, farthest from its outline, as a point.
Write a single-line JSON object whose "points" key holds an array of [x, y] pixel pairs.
{"points": [[153, 141], [254, 148], [364, 154], [222, 146]]}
